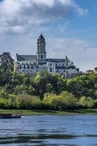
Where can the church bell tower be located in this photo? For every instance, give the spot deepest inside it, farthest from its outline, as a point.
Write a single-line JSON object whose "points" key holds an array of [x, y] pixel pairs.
{"points": [[41, 49]]}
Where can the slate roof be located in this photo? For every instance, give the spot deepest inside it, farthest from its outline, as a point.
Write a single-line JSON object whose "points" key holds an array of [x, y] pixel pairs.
{"points": [[55, 60], [42, 63], [95, 68], [64, 67], [41, 37], [61, 67], [26, 57], [90, 71]]}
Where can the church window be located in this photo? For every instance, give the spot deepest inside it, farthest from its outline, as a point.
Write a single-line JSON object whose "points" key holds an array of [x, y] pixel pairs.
{"points": [[41, 56], [42, 47], [31, 66], [24, 66], [50, 69], [20, 66], [37, 66], [28, 66]]}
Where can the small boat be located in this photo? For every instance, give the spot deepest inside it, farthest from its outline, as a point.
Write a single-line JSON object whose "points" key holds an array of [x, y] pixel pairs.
{"points": [[10, 116]]}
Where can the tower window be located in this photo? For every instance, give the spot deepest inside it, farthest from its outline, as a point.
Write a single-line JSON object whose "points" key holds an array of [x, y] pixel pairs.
{"points": [[41, 56]]}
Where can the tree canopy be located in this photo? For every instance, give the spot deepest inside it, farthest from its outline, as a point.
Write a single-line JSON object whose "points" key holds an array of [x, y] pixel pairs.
{"points": [[45, 90]]}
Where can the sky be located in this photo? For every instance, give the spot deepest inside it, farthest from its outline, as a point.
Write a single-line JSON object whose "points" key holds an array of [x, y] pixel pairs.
{"points": [[69, 27]]}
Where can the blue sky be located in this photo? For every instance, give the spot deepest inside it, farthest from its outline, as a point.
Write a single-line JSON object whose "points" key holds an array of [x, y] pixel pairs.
{"points": [[69, 26]]}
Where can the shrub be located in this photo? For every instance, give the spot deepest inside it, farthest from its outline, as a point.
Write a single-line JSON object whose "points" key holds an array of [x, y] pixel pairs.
{"points": [[63, 101], [86, 102], [3, 93], [95, 103], [24, 101], [68, 101], [47, 100], [3, 102]]}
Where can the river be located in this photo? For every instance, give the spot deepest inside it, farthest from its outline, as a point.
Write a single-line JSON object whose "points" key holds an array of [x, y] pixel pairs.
{"points": [[49, 130]]}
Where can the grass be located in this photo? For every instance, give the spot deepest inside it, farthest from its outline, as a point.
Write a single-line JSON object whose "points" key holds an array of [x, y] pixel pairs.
{"points": [[34, 112], [49, 112]]}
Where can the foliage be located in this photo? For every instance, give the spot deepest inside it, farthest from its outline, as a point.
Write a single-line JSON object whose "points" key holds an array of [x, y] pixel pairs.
{"points": [[63, 101], [86, 102], [45, 90], [6, 62], [28, 102]]}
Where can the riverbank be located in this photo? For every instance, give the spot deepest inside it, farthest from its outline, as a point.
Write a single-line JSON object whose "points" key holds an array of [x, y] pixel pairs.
{"points": [[49, 112]]}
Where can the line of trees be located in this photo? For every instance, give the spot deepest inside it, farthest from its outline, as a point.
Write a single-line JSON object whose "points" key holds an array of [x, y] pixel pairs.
{"points": [[45, 90]]}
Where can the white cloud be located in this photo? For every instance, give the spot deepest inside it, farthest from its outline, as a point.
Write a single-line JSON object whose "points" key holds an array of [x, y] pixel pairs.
{"points": [[79, 51], [19, 16], [17, 29], [25, 13]]}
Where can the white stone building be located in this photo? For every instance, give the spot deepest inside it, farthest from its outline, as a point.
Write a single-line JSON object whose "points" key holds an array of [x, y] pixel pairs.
{"points": [[32, 64]]}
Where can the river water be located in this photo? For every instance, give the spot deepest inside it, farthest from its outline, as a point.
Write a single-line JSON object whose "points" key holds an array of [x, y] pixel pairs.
{"points": [[71, 130]]}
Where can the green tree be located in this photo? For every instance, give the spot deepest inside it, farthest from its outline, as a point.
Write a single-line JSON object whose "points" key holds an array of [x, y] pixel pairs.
{"points": [[6, 62], [63, 101], [86, 102], [24, 101]]}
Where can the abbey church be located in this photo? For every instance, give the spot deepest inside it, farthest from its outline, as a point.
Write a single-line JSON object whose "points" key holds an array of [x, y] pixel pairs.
{"points": [[32, 64]]}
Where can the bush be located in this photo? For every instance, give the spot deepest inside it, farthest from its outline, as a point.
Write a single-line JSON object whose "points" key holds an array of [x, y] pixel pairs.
{"points": [[9, 102], [86, 102], [47, 101], [3, 102], [3, 93], [68, 101], [95, 103], [28, 102], [63, 101]]}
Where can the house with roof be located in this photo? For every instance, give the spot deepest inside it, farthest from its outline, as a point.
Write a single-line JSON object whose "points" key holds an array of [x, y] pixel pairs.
{"points": [[32, 64]]}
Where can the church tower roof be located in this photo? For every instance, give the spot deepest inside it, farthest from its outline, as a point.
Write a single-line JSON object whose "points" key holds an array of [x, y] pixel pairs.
{"points": [[41, 37]]}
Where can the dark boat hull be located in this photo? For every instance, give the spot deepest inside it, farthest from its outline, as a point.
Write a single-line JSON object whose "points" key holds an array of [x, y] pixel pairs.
{"points": [[14, 117], [9, 116]]}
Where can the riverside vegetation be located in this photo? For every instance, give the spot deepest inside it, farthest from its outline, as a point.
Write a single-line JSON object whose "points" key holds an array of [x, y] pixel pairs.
{"points": [[45, 91]]}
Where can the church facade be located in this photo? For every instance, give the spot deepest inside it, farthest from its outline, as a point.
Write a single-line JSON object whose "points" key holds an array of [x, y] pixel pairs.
{"points": [[32, 64]]}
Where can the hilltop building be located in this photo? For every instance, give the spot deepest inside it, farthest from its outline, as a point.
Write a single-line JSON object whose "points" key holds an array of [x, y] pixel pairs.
{"points": [[32, 64]]}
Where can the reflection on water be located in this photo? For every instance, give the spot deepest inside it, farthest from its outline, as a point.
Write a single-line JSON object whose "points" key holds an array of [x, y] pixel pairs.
{"points": [[32, 138], [49, 131]]}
